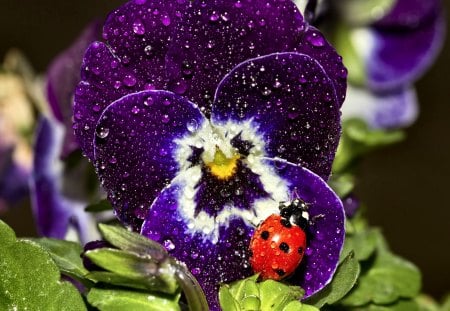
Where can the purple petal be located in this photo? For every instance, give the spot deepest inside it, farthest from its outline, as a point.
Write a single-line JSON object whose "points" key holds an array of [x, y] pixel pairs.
{"points": [[410, 14], [133, 60], [385, 110], [54, 213], [135, 148], [215, 245], [292, 104], [13, 179], [401, 53], [63, 75], [142, 34], [216, 36]]}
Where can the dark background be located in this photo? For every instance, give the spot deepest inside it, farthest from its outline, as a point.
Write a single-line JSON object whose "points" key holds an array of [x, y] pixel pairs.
{"points": [[405, 186]]}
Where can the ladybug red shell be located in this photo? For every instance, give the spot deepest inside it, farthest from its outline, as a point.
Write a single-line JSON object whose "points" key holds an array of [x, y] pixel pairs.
{"points": [[277, 247]]}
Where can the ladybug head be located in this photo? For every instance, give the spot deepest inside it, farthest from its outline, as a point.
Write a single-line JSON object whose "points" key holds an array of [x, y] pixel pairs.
{"points": [[295, 211]]}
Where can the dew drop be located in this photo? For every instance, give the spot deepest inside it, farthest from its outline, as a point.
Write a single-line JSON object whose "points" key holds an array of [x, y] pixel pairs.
{"points": [[135, 110], [214, 17], [196, 271], [169, 245], [102, 132], [138, 27], [148, 50], [112, 160], [192, 125], [166, 102], [165, 118], [96, 107], [165, 19], [238, 4], [148, 101], [129, 80], [315, 39], [266, 91]]}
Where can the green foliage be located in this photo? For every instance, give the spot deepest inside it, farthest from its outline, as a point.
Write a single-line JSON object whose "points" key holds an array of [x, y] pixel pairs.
{"points": [[248, 294], [119, 300], [357, 140], [30, 280]]}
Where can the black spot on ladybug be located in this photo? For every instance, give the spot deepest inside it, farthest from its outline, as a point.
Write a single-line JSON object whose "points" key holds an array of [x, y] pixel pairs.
{"points": [[285, 223], [280, 272], [265, 235], [284, 247], [300, 250]]}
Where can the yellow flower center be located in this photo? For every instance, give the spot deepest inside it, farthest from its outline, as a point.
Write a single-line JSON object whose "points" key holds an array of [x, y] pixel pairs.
{"points": [[223, 167]]}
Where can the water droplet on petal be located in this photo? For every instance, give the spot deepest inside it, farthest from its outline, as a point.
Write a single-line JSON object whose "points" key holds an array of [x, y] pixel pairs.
{"points": [[169, 245], [315, 39], [192, 125], [138, 27], [165, 118], [135, 110], [148, 101], [148, 50], [165, 19], [214, 17], [102, 132], [96, 107]]}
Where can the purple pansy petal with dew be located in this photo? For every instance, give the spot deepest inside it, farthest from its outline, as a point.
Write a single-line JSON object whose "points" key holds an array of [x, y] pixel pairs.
{"points": [[63, 75], [401, 53], [384, 110], [219, 238], [290, 101], [136, 151], [55, 215], [165, 45], [215, 36]]}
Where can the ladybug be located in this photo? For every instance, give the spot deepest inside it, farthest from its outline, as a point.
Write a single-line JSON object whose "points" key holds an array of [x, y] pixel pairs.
{"points": [[279, 242]]}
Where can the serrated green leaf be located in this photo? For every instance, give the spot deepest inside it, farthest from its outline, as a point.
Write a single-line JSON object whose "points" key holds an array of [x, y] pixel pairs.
{"points": [[30, 279], [226, 300], [245, 288], [146, 271], [343, 281], [99, 207], [119, 300], [131, 241], [276, 295], [388, 279], [66, 255]]}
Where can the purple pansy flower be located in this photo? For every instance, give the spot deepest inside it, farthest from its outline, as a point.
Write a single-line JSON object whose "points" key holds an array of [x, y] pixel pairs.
{"points": [[389, 45], [200, 117], [58, 200]]}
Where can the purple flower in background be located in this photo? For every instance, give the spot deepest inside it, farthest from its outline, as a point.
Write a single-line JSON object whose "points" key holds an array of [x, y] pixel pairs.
{"points": [[200, 117], [57, 197], [387, 45]]}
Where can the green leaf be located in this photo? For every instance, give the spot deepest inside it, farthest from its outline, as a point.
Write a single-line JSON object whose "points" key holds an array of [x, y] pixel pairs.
{"points": [[226, 299], [275, 295], [342, 184], [99, 207], [359, 139], [400, 305], [158, 276], [119, 300], [446, 303], [66, 255], [363, 243], [30, 280], [426, 303], [386, 280], [343, 281]]}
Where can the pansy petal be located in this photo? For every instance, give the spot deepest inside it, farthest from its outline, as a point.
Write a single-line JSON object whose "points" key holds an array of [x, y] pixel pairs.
{"points": [[215, 36], [55, 215], [325, 234], [168, 223], [291, 103], [133, 60], [135, 148], [62, 76], [13, 179], [399, 56], [385, 110], [409, 14]]}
